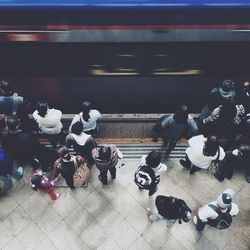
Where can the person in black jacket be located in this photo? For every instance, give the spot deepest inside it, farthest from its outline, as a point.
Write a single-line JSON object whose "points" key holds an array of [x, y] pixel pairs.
{"points": [[170, 209]]}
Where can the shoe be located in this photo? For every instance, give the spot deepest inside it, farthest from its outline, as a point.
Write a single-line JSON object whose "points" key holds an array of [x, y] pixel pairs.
{"points": [[248, 178], [57, 196], [99, 177], [184, 164], [20, 170], [149, 212], [195, 220]]}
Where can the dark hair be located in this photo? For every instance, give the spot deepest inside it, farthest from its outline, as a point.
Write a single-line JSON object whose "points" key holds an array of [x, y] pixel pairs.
{"points": [[13, 122], [153, 159], [86, 107], [77, 128], [6, 88], [181, 114], [63, 152], [227, 112], [42, 108], [227, 85], [211, 146], [36, 181], [105, 153]]}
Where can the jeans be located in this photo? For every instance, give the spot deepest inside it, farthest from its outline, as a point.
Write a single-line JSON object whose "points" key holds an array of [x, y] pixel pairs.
{"points": [[156, 216], [169, 144]]}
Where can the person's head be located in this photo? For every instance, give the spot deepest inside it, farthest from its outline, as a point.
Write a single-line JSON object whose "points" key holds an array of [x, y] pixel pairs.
{"points": [[227, 86], [211, 146], [6, 88], [224, 200], [63, 152], [181, 114], [86, 107], [227, 112], [42, 108], [77, 128], [13, 123], [105, 153], [153, 159]]}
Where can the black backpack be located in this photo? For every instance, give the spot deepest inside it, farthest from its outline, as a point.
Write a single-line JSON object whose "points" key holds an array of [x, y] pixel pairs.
{"points": [[223, 221], [144, 177]]}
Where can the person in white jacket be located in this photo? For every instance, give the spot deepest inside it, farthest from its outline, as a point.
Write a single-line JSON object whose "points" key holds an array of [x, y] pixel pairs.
{"points": [[201, 152], [48, 120]]}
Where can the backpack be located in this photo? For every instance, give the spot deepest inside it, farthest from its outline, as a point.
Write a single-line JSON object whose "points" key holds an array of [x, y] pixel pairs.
{"points": [[223, 221], [144, 177]]}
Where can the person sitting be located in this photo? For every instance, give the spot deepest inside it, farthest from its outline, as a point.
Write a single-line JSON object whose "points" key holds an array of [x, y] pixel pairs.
{"points": [[48, 120], [170, 209], [88, 117], [66, 165], [19, 144], [174, 127], [201, 152], [153, 160], [11, 104], [106, 158], [218, 213], [225, 93], [82, 143]]}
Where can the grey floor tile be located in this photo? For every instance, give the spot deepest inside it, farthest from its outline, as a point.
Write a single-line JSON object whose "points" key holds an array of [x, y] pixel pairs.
{"points": [[94, 235], [108, 244], [124, 203], [221, 186], [48, 219], [45, 244], [17, 220], [62, 236], [34, 205], [78, 219], [156, 235], [138, 219], [94, 204], [14, 244], [236, 243], [31, 236], [173, 243], [185, 233], [5, 235], [109, 219], [205, 244], [7, 205], [66, 203], [140, 244], [124, 235], [136, 193], [78, 244], [82, 193]]}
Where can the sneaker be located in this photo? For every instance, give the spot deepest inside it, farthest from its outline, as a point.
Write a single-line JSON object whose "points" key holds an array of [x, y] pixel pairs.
{"points": [[20, 170], [195, 220], [184, 164], [149, 212], [57, 196]]}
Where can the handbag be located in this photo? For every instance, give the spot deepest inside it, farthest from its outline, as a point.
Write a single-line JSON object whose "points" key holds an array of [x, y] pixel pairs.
{"points": [[81, 174], [215, 164]]}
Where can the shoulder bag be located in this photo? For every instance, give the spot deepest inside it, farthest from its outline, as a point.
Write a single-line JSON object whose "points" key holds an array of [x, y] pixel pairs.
{"points": [[81, 173], [215, 164]]}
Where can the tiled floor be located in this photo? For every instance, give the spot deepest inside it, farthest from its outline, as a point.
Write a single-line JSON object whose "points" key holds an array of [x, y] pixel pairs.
{"points": [[113, 217]]}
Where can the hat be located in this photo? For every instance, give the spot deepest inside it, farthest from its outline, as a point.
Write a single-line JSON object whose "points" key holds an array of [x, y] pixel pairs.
{"points": [[224, 200]]}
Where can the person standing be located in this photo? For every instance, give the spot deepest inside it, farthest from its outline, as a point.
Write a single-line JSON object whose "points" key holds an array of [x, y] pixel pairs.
{"points": [[106, 158], [218, 213]]}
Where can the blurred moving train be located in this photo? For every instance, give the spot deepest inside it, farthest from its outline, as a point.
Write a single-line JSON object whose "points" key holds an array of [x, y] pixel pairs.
{"points": [[141, 56]]}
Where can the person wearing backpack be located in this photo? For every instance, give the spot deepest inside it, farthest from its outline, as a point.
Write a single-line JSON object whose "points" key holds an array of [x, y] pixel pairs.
{"points": [[218, 213], [39, 182], [170, 209], [153, 160], [173, 127]]}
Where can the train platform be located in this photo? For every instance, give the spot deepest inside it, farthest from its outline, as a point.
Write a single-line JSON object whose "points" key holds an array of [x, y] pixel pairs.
{"points": [[114, 217]]}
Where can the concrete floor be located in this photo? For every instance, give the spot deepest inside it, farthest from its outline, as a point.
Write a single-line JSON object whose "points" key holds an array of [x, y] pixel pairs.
{"points": [[113, 217]]}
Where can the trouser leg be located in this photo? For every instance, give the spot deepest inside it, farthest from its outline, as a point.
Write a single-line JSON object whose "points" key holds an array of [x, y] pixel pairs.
{"points": [[169, 145], [103, 176], [194, 169], [113, 172], [152, 189]]}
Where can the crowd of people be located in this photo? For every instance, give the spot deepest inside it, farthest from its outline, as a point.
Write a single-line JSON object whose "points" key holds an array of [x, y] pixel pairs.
{"points": [[219, 141]]}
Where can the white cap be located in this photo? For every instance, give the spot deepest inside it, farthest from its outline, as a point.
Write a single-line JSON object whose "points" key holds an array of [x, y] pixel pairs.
{"points": [[224, 200]]}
